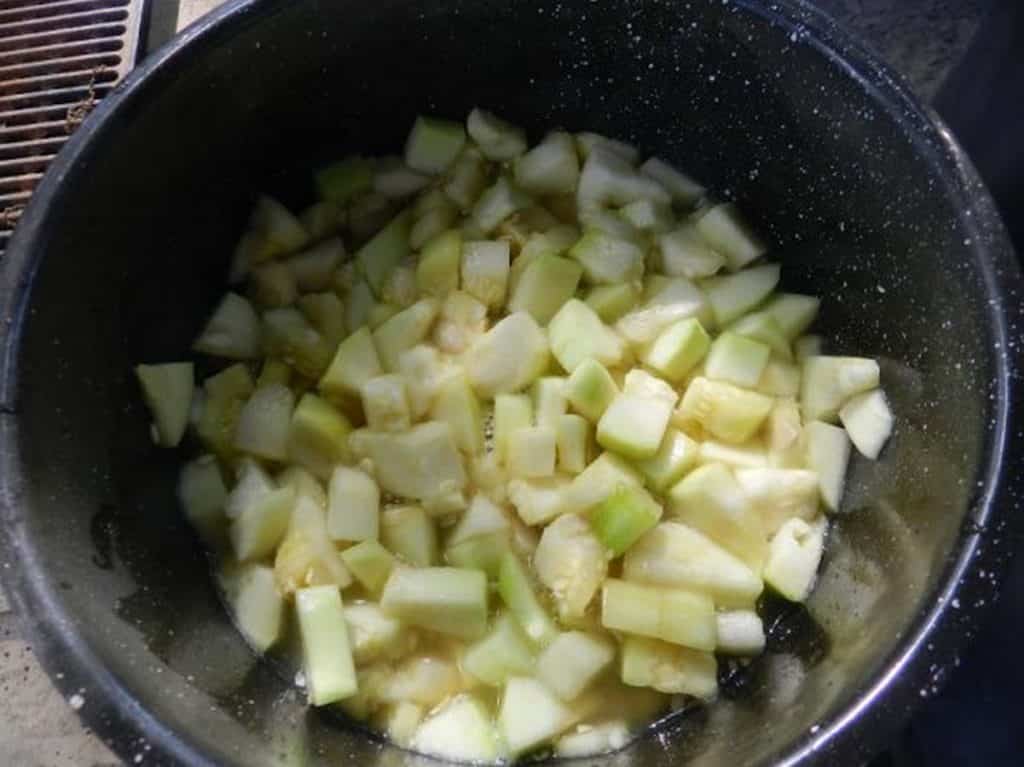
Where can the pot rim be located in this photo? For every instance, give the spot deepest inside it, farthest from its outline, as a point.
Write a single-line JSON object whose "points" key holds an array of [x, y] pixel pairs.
{"points": [[915, 669]]}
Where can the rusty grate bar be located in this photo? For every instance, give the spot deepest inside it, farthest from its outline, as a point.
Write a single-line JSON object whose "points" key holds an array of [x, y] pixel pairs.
{"points": [[57, 59]]}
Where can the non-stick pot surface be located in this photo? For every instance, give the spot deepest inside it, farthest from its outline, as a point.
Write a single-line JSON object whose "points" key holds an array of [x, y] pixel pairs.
{"points": [[866, 202]]}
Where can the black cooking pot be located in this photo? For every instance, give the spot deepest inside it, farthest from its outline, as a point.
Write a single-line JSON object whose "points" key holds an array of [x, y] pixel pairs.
{"points": [[868, 203]]}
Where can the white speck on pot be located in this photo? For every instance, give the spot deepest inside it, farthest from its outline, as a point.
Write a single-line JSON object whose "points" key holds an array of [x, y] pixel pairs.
{"points": [[76, 701]]}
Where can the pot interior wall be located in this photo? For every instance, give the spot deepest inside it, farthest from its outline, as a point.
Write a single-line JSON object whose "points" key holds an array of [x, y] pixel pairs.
{"points": [[135, 255]]}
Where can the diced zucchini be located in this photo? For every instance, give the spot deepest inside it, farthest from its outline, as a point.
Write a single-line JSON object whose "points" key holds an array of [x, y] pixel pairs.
{"points": [[460, 731], [538, 501], [634, 425], [588, 141], [672, 615], [400, 287], [503, 653], [517, 592], [355, 363], [668, 667], [530, 715], [640, 383], [313, 269], [498, 140], [276, 228], [676, 455], [576, 334], [572, 436], [485, 265], [233, 331], [780, 494], [599, 480], [828, 382], [784, 426], [608, 222], [482, 552], [763, 327], [508, 357], [463, 320], [265, 422], [675, 555], [649, 216], [545, 284], [572, 661], [274, 371], [306, 556], [256, 605], [807, 346], [793, 557], [726, 411], [750, 455], [318, 437], [373, 634], [423, 679], [403, 719], [433, 144], [442, 599], [388, 248], [572, 563], [868, 420], [793, 312], [326, 313], [780, 379], [611, 302], [385, 403], [736, 359], [396, 180], [304, 484], [511, 413], [358, 302], [410, 533], [432, 224], [370, 563], [353, 506], [252, 484], [592, 740], [736, 294], [684, 190], [167, 390], [457, 405], [466, 179], [623, 517], [549, 402], [590, 389], [202, 495], [551, 167], [828, 453], [404, 331], [684, 253], [327, 658], [424, 371], [608, 260], [497, 203], [289, 336], [677, 349], [740, 632], [367, 215], [609, 179], [437, 272], [724, 229], [674, 299], [258, 530], [341, 181], [711, 500], [530, 452], [419, 463]]}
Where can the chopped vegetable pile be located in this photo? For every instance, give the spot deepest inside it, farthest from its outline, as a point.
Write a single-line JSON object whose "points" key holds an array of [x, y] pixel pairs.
{"points": [[521, 466]]}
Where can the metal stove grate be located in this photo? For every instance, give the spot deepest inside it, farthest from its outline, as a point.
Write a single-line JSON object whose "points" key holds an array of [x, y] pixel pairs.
{"points": [[57, 59]]}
